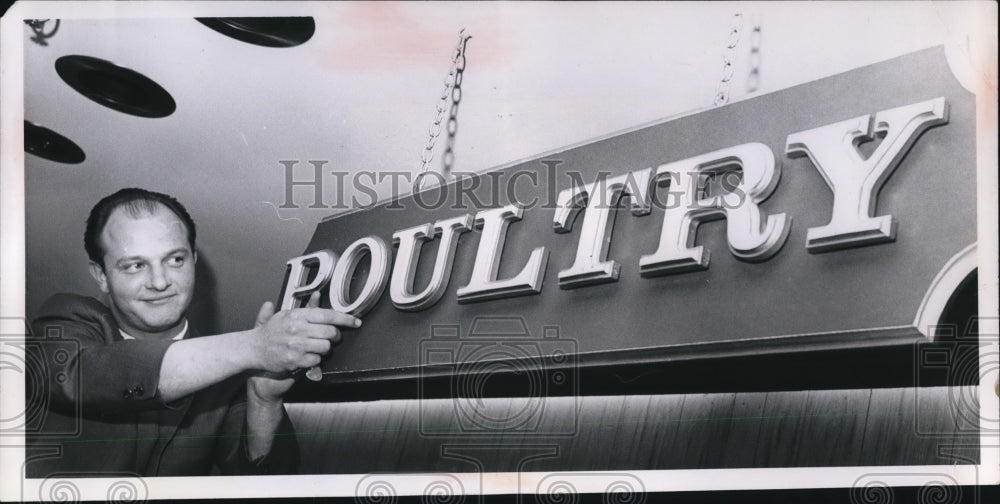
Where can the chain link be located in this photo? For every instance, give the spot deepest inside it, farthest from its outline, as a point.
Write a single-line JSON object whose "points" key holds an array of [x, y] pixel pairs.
{"points": [[453, 90], [728, 60], [753, 79], [448, 158]]}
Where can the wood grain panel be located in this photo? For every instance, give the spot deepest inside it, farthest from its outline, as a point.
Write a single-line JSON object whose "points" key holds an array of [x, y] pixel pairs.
{"points": [[812, 428], [900, 426], [891, 423], [744, 430], [658, 433], [928, 423], [703, 431]]}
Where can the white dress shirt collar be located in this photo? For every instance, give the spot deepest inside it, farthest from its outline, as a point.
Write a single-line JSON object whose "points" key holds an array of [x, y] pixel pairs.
{"points": [[179, 336]]}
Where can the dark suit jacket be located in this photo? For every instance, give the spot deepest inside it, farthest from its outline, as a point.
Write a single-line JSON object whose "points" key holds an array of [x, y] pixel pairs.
{"points": [[95, 410]]}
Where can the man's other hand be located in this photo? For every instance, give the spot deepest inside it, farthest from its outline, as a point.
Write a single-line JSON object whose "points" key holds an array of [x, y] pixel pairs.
{"points": [[268, 386]]}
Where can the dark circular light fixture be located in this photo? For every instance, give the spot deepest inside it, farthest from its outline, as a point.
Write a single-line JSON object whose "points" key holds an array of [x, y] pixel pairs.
{"points": [[264, 31], [115, 87], [48, 144]]}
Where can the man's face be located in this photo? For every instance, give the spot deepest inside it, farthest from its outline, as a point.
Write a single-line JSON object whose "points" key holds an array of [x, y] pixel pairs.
{"points": [[148, 271]]}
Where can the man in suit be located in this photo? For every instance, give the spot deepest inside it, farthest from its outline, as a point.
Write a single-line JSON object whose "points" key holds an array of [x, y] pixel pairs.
{"points": [[129, 386]]}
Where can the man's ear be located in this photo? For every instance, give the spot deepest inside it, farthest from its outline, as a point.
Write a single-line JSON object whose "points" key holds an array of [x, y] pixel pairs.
{"points": [[194, 253], [97, 271]]}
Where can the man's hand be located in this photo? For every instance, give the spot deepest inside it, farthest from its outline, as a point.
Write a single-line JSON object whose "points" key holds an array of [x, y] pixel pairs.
{"points": [[264, 386], [304, 332], [295, 339], [268, 386], [282, 343]]}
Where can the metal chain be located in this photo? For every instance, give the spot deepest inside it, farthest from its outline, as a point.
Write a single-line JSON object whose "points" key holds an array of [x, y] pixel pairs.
{"points": [[452, 81], [728, 58], [448, 158], [753, 79], [38, 28]]}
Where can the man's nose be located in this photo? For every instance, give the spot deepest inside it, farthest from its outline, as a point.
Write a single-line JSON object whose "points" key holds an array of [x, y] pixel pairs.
{"points": [[158, 279]]}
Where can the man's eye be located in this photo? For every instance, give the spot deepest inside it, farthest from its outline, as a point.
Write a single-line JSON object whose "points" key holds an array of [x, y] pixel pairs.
{"points": [[176, 261], [133, 268]]}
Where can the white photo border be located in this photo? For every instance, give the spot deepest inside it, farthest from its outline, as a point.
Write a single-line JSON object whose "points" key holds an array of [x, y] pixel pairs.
{"points": [[12, 311]]}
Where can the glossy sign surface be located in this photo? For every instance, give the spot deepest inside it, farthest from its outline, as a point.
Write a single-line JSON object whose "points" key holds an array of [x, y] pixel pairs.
{"points": [[789, 288]]}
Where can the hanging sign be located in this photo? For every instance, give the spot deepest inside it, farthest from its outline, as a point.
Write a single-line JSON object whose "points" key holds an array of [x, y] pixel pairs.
{"points": [[838, 213]]}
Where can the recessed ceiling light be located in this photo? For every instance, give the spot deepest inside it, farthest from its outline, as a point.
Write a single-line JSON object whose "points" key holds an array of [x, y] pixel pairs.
{"points": [[115, 87], [48, 144], [264, 31]]}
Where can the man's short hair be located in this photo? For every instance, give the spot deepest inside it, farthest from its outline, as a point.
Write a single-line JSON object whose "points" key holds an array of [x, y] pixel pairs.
{"points": [[136, 202]]}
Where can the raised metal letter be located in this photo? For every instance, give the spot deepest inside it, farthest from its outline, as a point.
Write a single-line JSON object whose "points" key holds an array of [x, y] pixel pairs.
{"points": [[343, 274], [483, 284], [298, 272], [752, 234], [855, 181], [409, 242], [601, 197]]}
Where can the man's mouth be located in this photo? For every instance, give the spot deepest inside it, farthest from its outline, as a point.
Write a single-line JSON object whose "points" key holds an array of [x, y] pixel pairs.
{"points": [[159, 300]]}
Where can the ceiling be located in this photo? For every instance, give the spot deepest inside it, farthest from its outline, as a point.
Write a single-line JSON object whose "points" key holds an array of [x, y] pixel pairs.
{"points": [[361, 94]]}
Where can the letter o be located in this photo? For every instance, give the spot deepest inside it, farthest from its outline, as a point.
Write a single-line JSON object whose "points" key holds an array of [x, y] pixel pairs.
{"points": [[378, 276]]}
